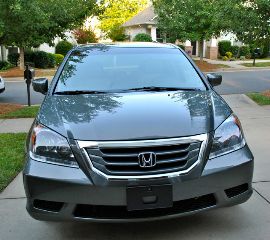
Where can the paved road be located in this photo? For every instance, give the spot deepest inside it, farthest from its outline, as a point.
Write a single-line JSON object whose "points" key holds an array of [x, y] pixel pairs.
{"points": [[244, 82], [233, 83]]}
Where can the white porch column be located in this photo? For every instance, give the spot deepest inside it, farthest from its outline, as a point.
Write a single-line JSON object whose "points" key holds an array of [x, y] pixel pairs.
{"points": [[188, 43], [154, 33], [213, 42]]}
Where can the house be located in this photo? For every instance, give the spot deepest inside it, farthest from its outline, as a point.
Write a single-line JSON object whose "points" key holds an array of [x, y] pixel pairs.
{"points": [[146, 22]]}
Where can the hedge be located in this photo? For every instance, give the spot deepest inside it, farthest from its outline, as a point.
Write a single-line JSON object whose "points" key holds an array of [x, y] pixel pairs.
{"points": [[235, 51], [142, 37], [13, 58], [38, 59], [63, 47], [4, 65], [58, 59], [244, 51], [224, 46]]}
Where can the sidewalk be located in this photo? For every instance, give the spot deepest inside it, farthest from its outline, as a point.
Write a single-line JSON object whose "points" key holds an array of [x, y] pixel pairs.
{"points": [[248, 221], [236, 65], [15, 125]]}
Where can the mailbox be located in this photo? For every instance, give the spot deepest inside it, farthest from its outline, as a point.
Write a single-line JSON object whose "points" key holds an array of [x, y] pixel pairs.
{"points": [[29, 74], [257, 52]]}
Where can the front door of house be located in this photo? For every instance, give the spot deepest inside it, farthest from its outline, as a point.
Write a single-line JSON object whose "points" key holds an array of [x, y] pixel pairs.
{"points": [[194, 45]]}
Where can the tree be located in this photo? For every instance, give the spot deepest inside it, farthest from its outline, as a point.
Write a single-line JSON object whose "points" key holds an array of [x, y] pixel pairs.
{"points": [[84, 36], [29, 23], [189, 19], [116, 12], [117, 33], [249, 20]]}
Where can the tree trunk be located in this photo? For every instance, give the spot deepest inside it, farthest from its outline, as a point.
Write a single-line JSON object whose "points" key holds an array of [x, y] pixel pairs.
{"points": [[201, 49], [21, 58], [2, 53]]}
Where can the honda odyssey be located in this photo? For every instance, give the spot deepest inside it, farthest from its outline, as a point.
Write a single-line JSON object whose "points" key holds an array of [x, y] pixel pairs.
{"points": [[133, 132]]}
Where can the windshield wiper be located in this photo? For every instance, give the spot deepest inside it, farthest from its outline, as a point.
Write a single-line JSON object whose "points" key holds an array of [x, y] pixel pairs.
{"points": [[157, 89], [78, 92]]}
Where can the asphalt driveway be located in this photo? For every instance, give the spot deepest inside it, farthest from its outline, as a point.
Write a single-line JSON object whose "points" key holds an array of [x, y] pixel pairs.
{"points": [[248, 221]]}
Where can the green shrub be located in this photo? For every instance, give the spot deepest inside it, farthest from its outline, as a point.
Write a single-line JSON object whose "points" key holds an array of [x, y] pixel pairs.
{"points": [[63, 47], [13, 58], [43, 60], [265, 50], [224, 46], [29, 58], [248, 56], [225, 58], [58, 59], [142, 37], [4, 65], [117, 34], [228, 55], [51, 60], [242, 58], [244, 51], [235, 51]]}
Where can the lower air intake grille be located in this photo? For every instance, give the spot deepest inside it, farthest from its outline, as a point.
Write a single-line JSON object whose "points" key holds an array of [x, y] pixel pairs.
{"points": [[120, 212], [232, 192], [48, 205]]}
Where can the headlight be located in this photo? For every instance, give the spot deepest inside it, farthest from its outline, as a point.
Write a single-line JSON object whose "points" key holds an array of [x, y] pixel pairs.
{"points": [[228, 137], [49, 146]]}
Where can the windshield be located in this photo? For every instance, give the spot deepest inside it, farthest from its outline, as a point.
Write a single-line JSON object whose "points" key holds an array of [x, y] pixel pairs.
{"points": [[117, 69]]}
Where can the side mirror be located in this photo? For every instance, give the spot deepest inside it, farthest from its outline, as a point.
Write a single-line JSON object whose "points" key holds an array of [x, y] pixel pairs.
{"points": [[40, 85], [214, 79]]}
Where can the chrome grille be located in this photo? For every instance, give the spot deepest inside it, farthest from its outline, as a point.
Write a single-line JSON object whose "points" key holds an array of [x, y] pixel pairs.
{"points": [[120, 159]]}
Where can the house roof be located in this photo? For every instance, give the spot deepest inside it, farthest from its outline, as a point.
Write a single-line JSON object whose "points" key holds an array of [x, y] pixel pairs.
{"points": [[147, 16]]}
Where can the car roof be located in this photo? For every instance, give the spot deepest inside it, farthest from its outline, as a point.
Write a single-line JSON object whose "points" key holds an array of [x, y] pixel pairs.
{"points": [[127, 45]]}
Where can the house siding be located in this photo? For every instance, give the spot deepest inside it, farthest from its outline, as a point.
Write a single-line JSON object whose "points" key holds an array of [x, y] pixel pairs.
{"points": [[133, 31]]}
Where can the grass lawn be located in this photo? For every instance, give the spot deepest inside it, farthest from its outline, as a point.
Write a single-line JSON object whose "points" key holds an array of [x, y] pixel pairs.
{"points": [[258, 64], [24, 112], [259, 98], [11, 156], [223, 66]]}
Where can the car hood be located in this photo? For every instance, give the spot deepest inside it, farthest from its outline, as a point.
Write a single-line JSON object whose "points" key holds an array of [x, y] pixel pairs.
{"points": [[134, 115]]}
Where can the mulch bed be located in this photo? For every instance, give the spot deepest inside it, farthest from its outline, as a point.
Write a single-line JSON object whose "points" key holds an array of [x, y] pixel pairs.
{"points": [[7, 108], [16, 72], [207, 67], [266, 93]]}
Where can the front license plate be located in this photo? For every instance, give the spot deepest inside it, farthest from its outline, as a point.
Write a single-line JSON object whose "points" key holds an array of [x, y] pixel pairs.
{"points": [[149, 197]]}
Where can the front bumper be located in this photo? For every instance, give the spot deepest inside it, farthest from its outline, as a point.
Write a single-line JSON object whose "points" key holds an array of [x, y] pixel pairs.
{"points": [[62, 193]]}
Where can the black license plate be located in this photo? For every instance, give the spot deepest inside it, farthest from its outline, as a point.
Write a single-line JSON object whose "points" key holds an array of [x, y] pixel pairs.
{"points": [[149, 197]]}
